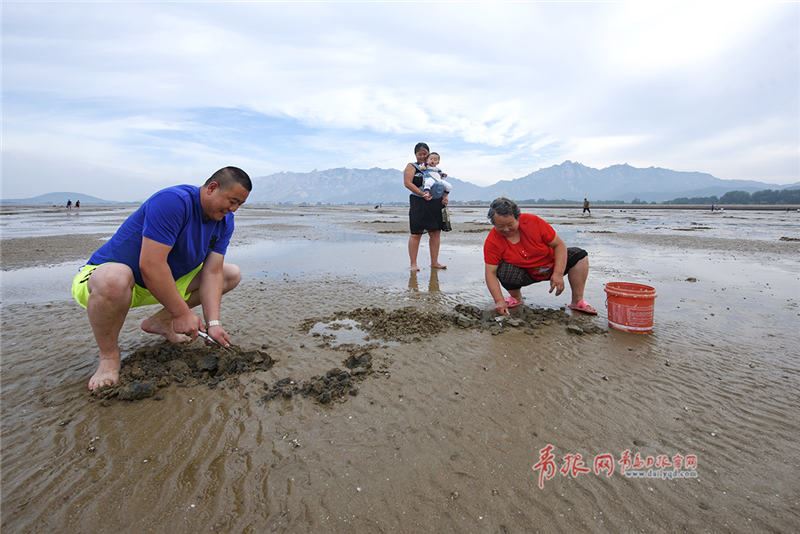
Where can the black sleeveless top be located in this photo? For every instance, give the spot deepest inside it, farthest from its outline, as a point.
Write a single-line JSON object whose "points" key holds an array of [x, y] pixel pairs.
{"points": [[418, 178]]}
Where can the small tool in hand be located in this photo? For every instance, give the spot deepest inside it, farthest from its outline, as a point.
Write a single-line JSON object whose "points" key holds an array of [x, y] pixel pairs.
{"points": [[211, 339]]}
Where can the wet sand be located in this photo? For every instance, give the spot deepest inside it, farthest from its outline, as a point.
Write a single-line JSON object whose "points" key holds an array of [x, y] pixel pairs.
{"points": [[448, 418]]}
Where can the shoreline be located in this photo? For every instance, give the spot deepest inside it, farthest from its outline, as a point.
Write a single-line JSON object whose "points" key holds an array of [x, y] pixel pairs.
{"points": [[5, 209]]}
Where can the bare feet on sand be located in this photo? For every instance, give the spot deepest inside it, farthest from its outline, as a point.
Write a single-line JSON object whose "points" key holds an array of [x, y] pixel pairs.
{"points": [[163, 327], [414, 267], [438, 266], [107, 373]]}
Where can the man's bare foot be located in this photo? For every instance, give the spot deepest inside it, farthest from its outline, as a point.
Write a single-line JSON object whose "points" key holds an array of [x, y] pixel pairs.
{"points": [[438, 266], [414, 267], [107, 374], [152, 325]]}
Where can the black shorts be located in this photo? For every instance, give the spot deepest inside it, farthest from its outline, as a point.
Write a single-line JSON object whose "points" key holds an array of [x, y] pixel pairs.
{"points": [[513, 277], [424, 215]]}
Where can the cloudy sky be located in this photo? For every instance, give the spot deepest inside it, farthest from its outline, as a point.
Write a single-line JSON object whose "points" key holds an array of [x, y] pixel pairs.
{"points": [[118, 100]]}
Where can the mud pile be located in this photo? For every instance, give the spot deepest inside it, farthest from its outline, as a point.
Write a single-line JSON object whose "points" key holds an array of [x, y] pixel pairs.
{"points": [[405, 324], [148, 369], [334, 384], [411, 324], [526, 318]]}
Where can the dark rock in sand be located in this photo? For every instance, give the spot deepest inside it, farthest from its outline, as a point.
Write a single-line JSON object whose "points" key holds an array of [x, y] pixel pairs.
{"points": [[136, 391], [363, 359], [207, 362], [137, 372], [178, 367], [469, 311], [575, 329], [464, 321]]}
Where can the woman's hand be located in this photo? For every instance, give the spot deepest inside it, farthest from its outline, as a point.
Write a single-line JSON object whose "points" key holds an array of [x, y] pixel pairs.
{"points": [[501, 307], [444, 199], [557, 283], [427, 195]]}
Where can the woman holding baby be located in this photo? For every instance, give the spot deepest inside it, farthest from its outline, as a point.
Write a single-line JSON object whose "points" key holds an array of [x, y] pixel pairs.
{"points": [[425, 213]]}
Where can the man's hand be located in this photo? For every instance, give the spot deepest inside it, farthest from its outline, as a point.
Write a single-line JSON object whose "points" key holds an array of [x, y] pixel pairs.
{"points": [[188, 324], [557, 283], [427, 195], [501, 307], [220, 335], [444, 199]]}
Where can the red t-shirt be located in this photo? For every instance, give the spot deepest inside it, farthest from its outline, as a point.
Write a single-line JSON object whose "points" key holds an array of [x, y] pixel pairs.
{"points": [[532, 253]]}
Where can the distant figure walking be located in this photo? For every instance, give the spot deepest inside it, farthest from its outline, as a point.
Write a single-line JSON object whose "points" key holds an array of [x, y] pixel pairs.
{"points": [[712, 207], [586, 206], [77, 204], [69, 204]]}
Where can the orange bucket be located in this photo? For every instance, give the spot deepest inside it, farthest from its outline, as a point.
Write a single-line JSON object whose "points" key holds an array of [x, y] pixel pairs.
{"points": [[630, 307]]}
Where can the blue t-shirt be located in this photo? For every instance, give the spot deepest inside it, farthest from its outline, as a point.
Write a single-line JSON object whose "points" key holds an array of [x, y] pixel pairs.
{"points": [[173, 217]]}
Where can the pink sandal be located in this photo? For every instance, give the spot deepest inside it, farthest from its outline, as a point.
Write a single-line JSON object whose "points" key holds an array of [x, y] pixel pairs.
{"points": [[511, 302], [584, 307]]}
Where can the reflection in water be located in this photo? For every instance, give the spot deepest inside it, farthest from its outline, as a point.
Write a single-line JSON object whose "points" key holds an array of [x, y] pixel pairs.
{"points": [[413, 285], [433, 282]]}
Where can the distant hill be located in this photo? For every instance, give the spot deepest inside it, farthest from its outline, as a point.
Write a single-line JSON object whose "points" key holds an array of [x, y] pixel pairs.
{"points": [[59, 199], [573, 181], [569, 181], [341, 186]]}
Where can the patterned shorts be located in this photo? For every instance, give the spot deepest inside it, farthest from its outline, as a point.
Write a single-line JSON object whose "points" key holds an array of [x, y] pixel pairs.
{"points": [[513, 277]]}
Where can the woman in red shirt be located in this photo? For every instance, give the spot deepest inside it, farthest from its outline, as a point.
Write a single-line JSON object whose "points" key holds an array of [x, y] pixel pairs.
{"points": [[523, 249]]}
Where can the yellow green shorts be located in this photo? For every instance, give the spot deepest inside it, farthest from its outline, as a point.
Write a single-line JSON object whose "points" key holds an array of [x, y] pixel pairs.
{"points": [[140, 295]]}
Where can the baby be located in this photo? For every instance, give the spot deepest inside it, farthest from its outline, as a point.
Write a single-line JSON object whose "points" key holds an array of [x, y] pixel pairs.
{"points": [[434, 182]]}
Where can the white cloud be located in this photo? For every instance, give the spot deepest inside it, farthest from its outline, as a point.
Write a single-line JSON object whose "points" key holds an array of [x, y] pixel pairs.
{"points": [[505, 88], [649, 37]]}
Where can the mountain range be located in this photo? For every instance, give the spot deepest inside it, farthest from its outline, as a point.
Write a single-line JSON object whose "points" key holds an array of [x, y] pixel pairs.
{"points": [[58, 199], [566, 181]]}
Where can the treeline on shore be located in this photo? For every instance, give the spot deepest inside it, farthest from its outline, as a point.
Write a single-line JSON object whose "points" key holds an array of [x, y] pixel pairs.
{"points": [[767, 196]]}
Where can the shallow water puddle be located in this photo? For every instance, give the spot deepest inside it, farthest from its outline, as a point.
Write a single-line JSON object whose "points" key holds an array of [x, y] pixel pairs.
{"points": [[341, 332]]}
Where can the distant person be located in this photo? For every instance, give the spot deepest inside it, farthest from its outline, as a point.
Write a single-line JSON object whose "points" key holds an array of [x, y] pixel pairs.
{"points": [[523, 249], [77, 204], [586, 206], [425, 212], [434, 179], [170, 251], [69, 204]]}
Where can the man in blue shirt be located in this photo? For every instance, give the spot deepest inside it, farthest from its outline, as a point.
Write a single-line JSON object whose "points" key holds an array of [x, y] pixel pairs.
{"points": [[170, 251]]}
